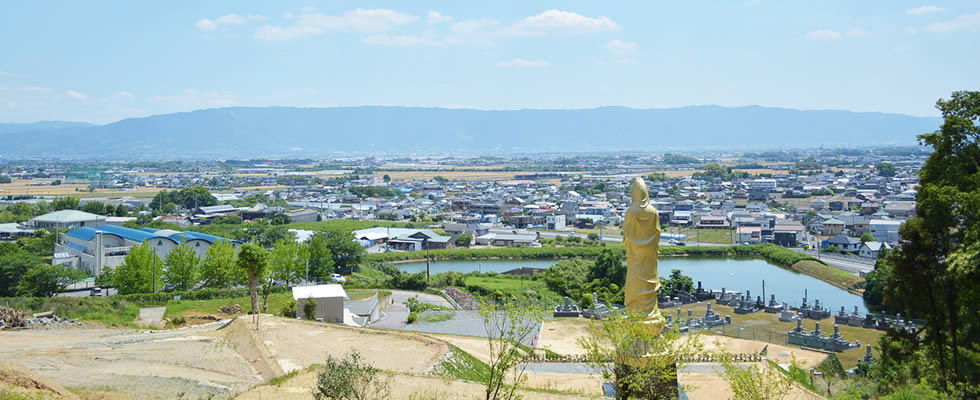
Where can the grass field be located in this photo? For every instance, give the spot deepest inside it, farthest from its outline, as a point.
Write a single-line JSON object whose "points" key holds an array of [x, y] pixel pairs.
{"points": [[191, 308], [717, 236], [827, 273], [22, 187], [511, 287]]}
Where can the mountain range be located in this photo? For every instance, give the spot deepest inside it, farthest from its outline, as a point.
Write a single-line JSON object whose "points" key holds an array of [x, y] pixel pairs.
{"points": [[311, 132]]}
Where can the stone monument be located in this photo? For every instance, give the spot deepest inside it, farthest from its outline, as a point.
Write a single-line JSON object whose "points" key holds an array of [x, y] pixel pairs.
{"points": [[641, 227]]}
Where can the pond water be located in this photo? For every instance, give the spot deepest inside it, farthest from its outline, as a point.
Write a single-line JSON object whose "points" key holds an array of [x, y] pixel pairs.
{"points": [[714, 273]]}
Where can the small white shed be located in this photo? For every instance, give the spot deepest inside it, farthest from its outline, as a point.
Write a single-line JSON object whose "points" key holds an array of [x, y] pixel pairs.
{"points": [[329, 299]]}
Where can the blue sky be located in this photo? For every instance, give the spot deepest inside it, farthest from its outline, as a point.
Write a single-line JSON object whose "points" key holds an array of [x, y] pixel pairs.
{"points": [[101, 61]]}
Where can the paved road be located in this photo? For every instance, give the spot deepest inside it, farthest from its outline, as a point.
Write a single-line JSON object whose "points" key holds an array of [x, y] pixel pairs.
{"points": [[605, 237], [396, 315], [152, 315], [851, 266], [86, 293]]}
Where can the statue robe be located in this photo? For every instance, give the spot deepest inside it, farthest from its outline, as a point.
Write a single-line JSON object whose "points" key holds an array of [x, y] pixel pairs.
{"points": [[642, 240]]}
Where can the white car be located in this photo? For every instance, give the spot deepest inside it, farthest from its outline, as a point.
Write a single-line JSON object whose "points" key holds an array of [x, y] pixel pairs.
{"points": [[338, 278]]}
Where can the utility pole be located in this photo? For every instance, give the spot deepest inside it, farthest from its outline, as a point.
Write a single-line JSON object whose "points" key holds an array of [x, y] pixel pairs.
{"points": [[154, 270], [425, 242], [307, 270]]}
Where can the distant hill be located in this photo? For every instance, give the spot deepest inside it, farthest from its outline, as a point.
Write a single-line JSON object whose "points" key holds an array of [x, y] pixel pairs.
{"points": [[311, 132]]}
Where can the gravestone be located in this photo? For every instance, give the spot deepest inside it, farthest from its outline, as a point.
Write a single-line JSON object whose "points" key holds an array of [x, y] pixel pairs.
{"points": [[566, 310]]}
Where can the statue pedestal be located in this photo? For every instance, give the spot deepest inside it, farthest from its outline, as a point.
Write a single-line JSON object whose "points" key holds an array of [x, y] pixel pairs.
{"points": [[656, 385]]}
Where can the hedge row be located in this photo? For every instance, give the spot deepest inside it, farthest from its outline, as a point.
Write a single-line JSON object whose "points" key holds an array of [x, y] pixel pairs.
{"points": [[770, 252], [200, 294]]}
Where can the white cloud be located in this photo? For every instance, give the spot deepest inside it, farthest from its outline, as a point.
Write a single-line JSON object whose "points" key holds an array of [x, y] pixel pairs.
{"points": [[558, 21], [359, 20], [206, 25], [400, 40], [823, 34], [522, 63], [38, 89], [234, 19], [77, 95], [924, 10], [435, 18], [963, 22], [621, 48], [472, 26], [124, 94], [858, 33]]}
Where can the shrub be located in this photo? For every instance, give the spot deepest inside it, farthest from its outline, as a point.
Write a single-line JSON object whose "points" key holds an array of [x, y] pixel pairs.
{"points": [[412, 317], [309, 309], [587, 301], [289, 309], [351, 378]]}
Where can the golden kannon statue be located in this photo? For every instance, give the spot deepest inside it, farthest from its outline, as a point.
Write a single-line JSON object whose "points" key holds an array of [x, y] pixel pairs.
{"points": [[642, 239]]}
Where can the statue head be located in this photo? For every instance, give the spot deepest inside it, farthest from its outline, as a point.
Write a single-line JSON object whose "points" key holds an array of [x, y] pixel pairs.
{"points": [[641, 197]]}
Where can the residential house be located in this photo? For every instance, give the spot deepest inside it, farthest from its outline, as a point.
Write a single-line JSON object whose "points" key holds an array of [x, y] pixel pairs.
{"points": [[885, 230], [787, 233], [872, 249], [832, 227], [846, 244]]}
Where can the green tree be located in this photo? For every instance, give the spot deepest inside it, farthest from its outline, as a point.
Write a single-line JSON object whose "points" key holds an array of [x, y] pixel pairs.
{"points": [[180, 267], [218, 268], [640, 362], [309, 309], [42, 207], [136, 273], [464, 240], [347, 252], [65, 203], [507, 326], [94, 207], [885, 169], [285, 262], [321, 258], [677, 283], [609, 267], [386, 178], [121, 211], [22, 211], [568, 277], [876, 282], [254, 261], [935, 268], [189, 197], [281, 219], [867, 237], [754, 382], [44, 280], [227, 219], [351, 378], [13, 265]]}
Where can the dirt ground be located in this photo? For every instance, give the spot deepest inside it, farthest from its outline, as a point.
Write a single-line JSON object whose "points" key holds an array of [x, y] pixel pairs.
{"points": [[16, 380], [297, 344], [561, 335], [216, 360], [403, 387], [711, 387]]}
